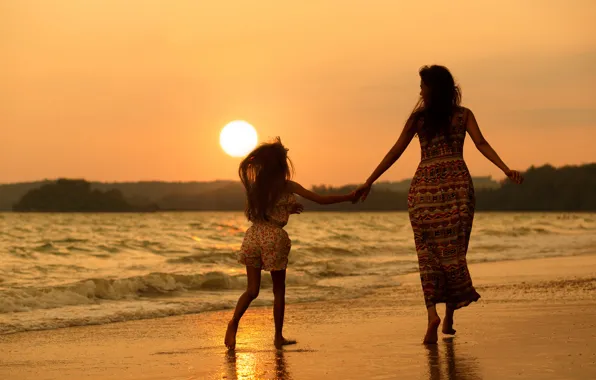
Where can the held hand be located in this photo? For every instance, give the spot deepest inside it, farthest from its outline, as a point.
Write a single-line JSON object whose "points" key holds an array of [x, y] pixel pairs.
{"points": [[515, 176], [361, 192], [296, 208], [352, 197]]}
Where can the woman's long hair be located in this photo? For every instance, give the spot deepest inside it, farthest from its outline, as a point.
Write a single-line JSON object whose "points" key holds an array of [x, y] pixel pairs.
{"points": [[264, 173], [443, 98]]}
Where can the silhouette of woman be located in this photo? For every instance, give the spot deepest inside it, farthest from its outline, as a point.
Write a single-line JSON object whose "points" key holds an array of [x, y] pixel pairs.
{"points": [[441, 197]]}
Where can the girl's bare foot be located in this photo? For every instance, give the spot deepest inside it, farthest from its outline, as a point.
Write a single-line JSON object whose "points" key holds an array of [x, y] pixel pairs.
{"points": [[230, 340], [281, 341], [432, 335], [448, 326]]}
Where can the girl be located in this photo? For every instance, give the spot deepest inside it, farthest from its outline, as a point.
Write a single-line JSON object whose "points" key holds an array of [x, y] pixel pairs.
{"points": [[265, 174]]}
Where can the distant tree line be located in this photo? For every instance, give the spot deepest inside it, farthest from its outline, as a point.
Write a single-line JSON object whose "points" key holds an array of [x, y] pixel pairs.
{"points": [[546, 188], [67, 195], [570, 188]]}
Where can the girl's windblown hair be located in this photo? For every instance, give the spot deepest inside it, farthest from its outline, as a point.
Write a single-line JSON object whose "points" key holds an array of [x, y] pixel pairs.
{"points": [[264, 173]]}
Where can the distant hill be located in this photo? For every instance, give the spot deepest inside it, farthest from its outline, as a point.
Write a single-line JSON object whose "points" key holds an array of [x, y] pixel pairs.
{"points": [[173, 195], [569, 188], [75, 196], [404, 185], [224, 198], [12, 193], [137, 193], [546, 188]]}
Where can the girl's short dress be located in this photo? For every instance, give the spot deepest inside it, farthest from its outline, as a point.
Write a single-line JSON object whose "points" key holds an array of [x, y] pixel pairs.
{"points": [[266, 244]]}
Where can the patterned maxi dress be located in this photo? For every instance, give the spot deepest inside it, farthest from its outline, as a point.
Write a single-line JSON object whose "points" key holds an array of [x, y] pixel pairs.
{"points": [[266, 244], [441, 207]]}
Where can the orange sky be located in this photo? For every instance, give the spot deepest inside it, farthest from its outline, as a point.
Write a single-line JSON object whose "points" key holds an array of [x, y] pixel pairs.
{"points": [[118, 90]]}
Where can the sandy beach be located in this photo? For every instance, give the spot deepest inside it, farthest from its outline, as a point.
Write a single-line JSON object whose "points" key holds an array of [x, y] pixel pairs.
{"points": [[536, 320]]}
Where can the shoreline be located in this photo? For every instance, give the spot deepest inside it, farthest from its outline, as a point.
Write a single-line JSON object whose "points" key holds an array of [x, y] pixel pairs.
{"points": [[503, 335], [404, 283], [322, 210], [407, 280]]}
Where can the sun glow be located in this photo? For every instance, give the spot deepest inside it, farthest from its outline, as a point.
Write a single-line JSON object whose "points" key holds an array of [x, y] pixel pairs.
{"points": [[238, 138]]}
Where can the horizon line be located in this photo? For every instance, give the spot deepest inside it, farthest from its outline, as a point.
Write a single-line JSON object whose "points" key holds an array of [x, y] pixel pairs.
{"points": [[237, 180]]}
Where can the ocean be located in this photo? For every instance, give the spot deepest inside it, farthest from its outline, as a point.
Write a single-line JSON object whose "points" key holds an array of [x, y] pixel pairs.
{"points": [[60, 270]]}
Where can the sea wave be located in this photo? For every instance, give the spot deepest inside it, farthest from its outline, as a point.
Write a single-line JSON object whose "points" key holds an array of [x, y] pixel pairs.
{"points": [[70, 270], [93, 290], [78, 317], [207, 258]]}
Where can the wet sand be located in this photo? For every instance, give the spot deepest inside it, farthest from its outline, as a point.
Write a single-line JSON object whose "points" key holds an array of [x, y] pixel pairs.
{"points": [[536, 320]]}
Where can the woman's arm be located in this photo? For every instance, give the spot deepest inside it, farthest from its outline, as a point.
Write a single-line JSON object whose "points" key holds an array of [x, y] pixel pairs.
{"points": [[481, 144], [484, 147], [406, 136], [296, 188]]}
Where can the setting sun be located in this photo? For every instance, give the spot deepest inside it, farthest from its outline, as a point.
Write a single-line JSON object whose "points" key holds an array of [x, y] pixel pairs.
{"points": [[238, 138]]}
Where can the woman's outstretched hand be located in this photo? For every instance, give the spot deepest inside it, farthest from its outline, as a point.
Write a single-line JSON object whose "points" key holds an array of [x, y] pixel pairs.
{"points": [[515, 176], [361, 192]]}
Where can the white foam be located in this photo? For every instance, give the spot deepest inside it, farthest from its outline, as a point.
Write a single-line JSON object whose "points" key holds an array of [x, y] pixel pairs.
{"points": [[91, 291]]}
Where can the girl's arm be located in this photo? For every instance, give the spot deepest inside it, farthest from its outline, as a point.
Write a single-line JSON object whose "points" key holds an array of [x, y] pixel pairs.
{"points": [[484, 147], [296, 188]]}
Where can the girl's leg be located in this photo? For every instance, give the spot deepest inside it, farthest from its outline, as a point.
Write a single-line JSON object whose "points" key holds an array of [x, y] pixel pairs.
{"points": [[279, 305], [253, 284], [448, 321], [434, 321]]}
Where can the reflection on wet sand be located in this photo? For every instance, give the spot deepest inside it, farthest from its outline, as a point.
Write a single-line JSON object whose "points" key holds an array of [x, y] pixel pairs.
{"points": [[281, 366], [246, 365], [443, 363]]}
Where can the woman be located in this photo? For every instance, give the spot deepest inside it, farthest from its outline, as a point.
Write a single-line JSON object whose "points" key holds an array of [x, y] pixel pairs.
{"points": [[441, 197]]}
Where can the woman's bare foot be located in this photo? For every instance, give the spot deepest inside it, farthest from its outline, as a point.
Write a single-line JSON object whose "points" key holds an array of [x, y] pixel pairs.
{"points": [[448, 326], [281, 341], [432, 335], [230, 340]]}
